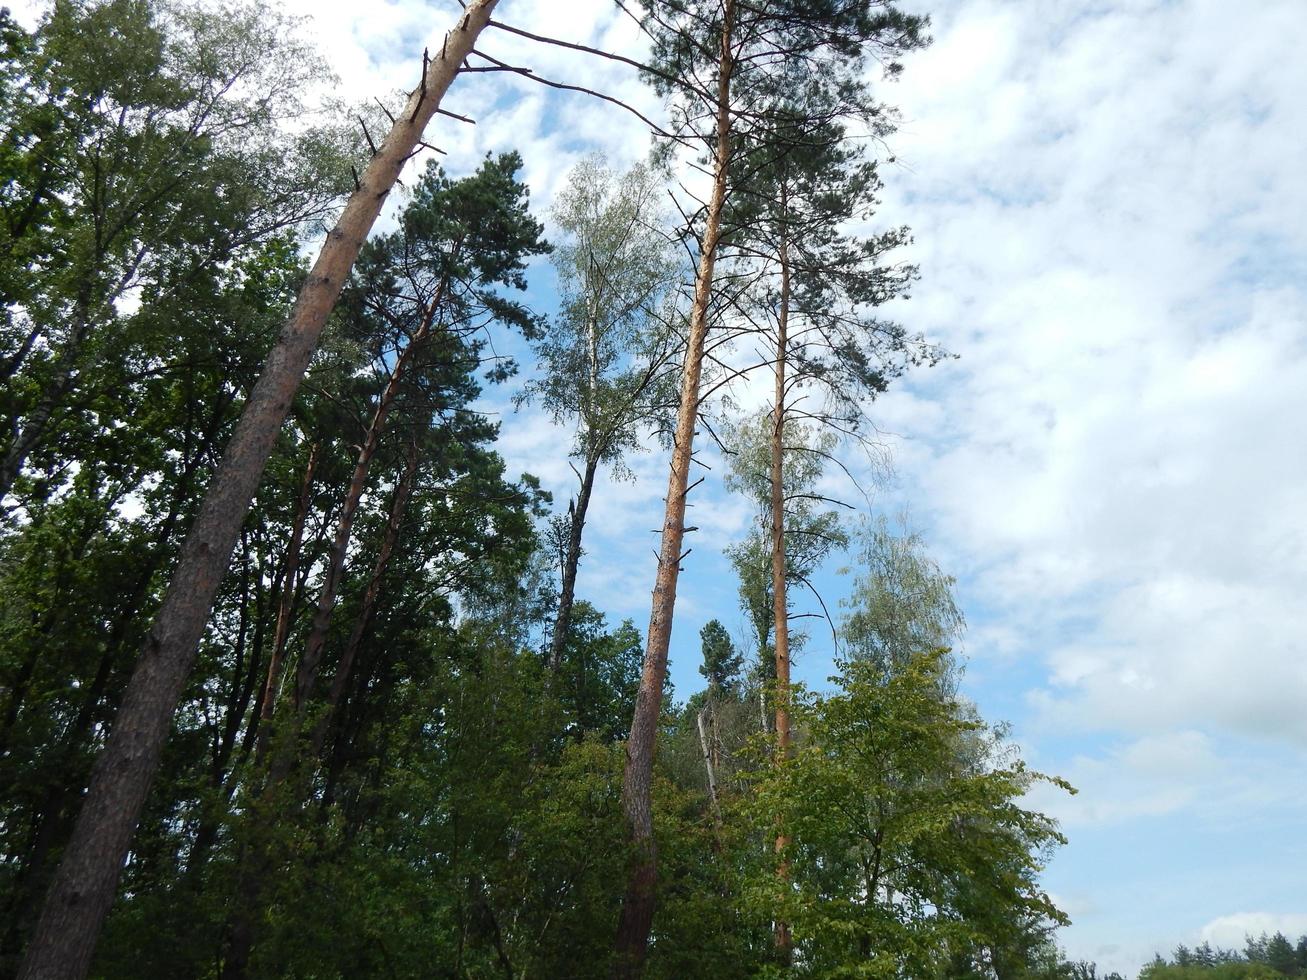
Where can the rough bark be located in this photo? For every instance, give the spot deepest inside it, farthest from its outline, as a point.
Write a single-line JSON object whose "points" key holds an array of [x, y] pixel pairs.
{"points": [[707, 761], [636, 918], [780, 603], [395, 520], [285, 607], [84, 886], [571, 560]]}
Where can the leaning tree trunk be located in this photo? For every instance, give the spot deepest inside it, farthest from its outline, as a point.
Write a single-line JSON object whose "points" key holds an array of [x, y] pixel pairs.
{"points": [[780, 603], [636, 919], [311, 658], [285, 608], [344, 669], [84, 886], [286, 739]]}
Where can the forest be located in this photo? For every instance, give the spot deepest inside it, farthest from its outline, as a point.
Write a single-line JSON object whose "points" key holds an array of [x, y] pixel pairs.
{"points": [[297, 679]]}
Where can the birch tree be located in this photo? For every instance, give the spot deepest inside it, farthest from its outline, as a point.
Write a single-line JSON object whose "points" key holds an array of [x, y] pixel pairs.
{"points": [[605, 355]]}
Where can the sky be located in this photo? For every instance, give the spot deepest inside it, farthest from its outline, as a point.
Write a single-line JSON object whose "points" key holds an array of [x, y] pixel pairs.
{"points": [[1109, 213]]}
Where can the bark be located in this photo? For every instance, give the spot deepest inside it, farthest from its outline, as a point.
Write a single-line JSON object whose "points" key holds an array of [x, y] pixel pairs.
{"points": [[286, 607], [286, 743], [780, 603], [570, 562], [339, 683], [707, 763], [84, 886], [636, 918]]}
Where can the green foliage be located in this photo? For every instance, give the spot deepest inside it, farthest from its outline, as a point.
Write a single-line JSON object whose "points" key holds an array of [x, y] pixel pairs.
{"points": [[1264, 957], [901, 603], [604, 356], [721, 661], [902, 852], [812, 526], [602, 675], [454, 807], [154, 147]]}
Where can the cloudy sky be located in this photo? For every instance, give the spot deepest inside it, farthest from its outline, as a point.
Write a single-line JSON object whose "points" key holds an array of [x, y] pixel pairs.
{"points": [[1111, 222]]}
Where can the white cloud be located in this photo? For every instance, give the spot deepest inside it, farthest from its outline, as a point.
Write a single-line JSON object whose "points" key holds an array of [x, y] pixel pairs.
{"points": [[1229, 931], [1103, 202], [1150, 777]]}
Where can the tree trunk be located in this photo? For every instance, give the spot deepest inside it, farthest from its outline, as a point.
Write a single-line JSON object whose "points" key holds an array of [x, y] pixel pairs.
{"points": [[636, 919], [311, 658], [285, 608], [84, 886], [286, 743], [395, 521], [780, 604], [707, 764], [570, 562]]}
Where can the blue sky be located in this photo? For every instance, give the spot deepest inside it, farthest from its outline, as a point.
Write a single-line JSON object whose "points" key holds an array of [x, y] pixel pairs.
{"points": [[1109, 208]]}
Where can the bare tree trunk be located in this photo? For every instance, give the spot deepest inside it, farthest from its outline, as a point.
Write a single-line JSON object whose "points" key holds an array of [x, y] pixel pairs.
{"points": [[286, 607], [311, 659], [570, 562], [84, 886], [707, 763], [636, 919], [780, 603], [394, 522]]}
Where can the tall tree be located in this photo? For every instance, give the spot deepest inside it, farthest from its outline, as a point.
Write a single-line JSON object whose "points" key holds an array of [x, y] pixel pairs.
{"points": [[902, 602], [820, 285], [902, 851], [605, 355], [151, 140], [422, 292], [709, 58], [84, 885]]}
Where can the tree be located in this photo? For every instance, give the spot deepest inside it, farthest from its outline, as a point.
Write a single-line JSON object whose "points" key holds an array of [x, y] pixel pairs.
{"points": [[902, 602], [796, 532], [891, 835], [605, 354], [721, 661], [819, 286], [708, 57], [83, 888], [423, 291], [152, 139]]}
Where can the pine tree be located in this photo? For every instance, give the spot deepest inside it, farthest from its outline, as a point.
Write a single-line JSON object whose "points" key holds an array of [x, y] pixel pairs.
{"points": [[739, 46]]}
